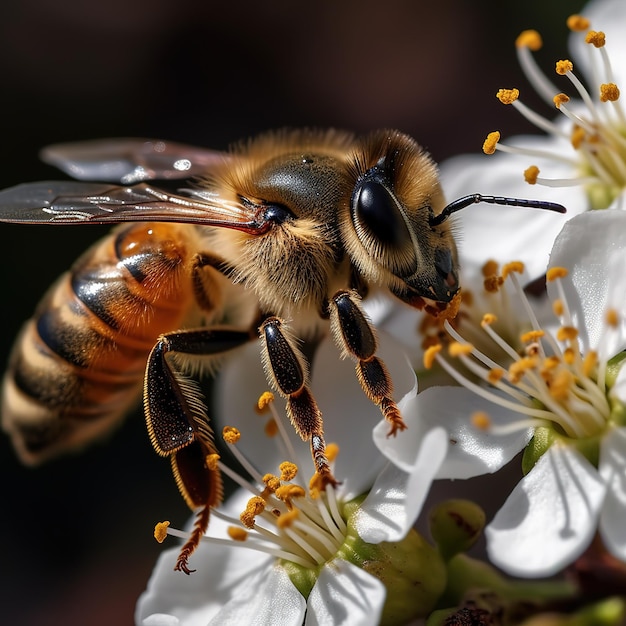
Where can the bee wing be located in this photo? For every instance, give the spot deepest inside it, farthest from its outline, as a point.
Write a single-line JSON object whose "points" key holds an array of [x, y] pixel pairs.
{"points": [[130, 160], [70, 202]]}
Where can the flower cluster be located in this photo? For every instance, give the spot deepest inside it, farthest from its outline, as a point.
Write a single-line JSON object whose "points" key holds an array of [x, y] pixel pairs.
{"points": [[528, 375]]}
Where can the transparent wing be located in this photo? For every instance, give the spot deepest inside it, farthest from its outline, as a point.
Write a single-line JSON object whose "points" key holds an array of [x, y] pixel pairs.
{"points": [[70, 202], [130, 160]]}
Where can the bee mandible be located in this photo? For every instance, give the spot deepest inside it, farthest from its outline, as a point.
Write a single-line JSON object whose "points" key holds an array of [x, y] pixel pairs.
{"points": [[277, 240]]}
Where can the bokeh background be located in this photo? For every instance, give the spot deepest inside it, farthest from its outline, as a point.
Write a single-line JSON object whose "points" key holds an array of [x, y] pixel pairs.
{"points": [[76, 542]]}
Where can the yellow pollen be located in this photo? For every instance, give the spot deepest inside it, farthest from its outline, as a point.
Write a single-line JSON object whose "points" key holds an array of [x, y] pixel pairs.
{"points": [[493, 283], [549, 363], [612, 318], [507, 96], [288, 471], [488, 319], [271, 481], [256, 505], [467, 297], [490, 268], [211, 461], [569, 356], [271, 428], [595, 38], [332, 451], [247, 519], [236, 533], [556, 272], [287, 493], [489, 145], [456, 349], [531, 174], [519, 368], [609, 92], [429, 355], [317, 484], [160, 531], [530, 39], [287, 519], [564, 66], [495, 375], [577, 23], [557, 308], [559, 99], [231, 434], [589, 362], [532, 335], [561, 384], [513, 266], [577, 137], [567, 333], [481, 420], [452, 309], [265, 399]]}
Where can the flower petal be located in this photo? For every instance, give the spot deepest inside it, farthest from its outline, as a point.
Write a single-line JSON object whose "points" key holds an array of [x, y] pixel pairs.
{"points": [[395, 501], [472, 452], [160, 619], [591, 246], [270, 599], [613, 472], [220, 573], [549, 518], [345, 594]]}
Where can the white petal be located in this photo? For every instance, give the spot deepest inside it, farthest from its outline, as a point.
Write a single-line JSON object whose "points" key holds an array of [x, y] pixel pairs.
{"points": [[472, 452], [345, 594], [160, 619], [591, 246], [613, 472], [270, 599], [396, 499], [549, 518], [509, 233], [221, 572]]}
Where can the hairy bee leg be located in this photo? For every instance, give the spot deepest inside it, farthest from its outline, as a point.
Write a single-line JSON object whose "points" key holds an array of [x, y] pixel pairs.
{"points": [[287, 369], [355, 336], [178, 424]]}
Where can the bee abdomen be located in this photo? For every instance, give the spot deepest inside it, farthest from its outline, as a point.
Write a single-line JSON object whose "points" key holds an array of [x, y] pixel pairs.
{"points": [[77, 367]]}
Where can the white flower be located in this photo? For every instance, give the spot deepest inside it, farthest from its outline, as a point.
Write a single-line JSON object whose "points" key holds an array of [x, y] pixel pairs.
{"points": [[307, 572], [563, 392], [583, 152]]}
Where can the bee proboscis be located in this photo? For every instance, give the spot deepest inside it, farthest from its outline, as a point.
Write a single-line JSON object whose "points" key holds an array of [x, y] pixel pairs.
{"points": [[293, 225]]}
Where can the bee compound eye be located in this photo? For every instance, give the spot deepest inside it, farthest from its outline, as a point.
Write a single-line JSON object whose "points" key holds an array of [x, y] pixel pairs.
{"points": [[376, 209]]}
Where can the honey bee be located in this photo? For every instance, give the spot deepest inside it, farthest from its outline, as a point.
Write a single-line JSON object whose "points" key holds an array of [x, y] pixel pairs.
{"points": [[277, 240]]}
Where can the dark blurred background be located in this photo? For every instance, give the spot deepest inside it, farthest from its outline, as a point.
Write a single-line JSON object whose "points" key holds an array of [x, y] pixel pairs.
{"points": [[76, 535]]}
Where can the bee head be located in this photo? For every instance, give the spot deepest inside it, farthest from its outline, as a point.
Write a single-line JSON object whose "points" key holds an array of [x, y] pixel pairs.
{"points": [[393, 235]]}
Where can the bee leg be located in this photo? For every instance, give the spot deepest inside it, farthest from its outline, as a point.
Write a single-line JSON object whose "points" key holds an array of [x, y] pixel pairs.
{"points": [[178, 424], [286, 368], [206, 290], [355, 336]]}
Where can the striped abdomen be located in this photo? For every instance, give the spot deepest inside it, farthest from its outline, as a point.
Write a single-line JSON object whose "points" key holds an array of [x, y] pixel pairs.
{"points": [[78, 364]]}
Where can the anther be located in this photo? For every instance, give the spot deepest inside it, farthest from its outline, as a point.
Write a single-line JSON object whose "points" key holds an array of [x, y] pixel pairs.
{"points": [[513, 266], [212, 461], [564, 66], [430, 354], [559, 99], [577, 23], [265, 399], [160, 531], [481, 420], [530, 39], [595, 38], [456, 349], [236, 533], [507, 96], [490, 143], [490, 268], [531, 174], [488, 319], [288, 470], [231, 434], [609, 92], [556, 272]]}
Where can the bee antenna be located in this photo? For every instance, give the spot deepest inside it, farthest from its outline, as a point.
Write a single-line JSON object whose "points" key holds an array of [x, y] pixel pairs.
{"points": [[465, 201]]}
